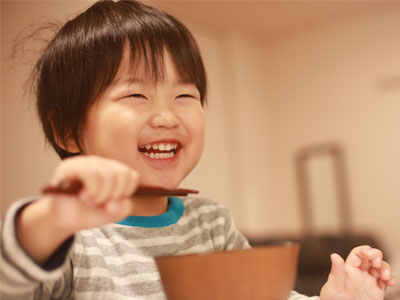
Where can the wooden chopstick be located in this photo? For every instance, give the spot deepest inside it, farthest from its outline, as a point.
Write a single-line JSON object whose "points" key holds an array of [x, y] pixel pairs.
{"points": [[73, 186]]}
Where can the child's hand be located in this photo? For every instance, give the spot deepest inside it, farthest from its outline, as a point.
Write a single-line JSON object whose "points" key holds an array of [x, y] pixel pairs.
{"points": [[364, 276], [45, 224], [105, 197]]}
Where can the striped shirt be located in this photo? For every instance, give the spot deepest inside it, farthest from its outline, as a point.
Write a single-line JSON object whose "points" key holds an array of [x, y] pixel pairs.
{"points": [[116, 261]]}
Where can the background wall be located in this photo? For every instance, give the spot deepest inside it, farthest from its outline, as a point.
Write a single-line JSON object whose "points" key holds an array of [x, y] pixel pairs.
{"points": [[298, 74], [282, 76]]}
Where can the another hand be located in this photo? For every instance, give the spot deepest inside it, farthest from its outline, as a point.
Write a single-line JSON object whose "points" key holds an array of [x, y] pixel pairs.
{"points": [[363, 276]]}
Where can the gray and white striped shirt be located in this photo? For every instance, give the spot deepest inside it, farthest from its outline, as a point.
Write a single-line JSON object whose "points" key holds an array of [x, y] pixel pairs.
{"points": [[116, 261]]}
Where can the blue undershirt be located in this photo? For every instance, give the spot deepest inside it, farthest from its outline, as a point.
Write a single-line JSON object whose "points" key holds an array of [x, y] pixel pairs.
{"points": [[170, 217]]}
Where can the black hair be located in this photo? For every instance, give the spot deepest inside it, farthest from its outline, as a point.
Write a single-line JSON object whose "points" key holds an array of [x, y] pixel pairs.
{"points": [[81, 61]]}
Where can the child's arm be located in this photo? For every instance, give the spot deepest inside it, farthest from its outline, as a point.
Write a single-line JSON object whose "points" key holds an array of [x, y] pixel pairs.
{"points": [[44, 225], [20, 275], [363, 276], [36, 236]]}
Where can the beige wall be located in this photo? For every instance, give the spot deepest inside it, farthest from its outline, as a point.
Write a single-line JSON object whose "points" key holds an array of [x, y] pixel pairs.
{"points": [[342, 83], [26, 163], [267, 99], [339, 82]]}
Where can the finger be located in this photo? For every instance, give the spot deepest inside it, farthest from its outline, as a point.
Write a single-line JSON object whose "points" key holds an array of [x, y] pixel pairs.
{"points": [[61, 172], [132, 183], [385, 271], [374, 272], [108, 177], [119, 184], [392, 281], [77, 167], [364, 257], [92, 182], [382, 284], [337, 274], [118, 209], [377, 257], [110, 211], [354, 259], [124, 183], [365, 265]]}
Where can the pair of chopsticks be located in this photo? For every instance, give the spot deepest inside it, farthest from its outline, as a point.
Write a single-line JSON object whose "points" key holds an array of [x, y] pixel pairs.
{"points": [[73, 186]]}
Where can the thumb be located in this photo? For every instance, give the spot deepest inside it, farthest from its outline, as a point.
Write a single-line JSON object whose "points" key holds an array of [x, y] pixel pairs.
{"points": [[119, 209], [337, 275]]}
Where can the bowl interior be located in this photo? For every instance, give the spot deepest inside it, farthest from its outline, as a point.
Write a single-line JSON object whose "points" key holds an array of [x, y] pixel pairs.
{"points": [[266, 272]]}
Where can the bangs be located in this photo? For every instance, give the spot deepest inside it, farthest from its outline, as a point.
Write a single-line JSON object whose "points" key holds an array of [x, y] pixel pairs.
{"points": [[147, 42]]}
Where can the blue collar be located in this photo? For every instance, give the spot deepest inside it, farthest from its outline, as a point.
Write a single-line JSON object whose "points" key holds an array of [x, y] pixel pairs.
{"points": [[173, 214]]}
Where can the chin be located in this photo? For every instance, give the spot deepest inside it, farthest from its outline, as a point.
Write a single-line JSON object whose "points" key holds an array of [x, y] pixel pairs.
{"points": [[165, 182], [168, 184]]}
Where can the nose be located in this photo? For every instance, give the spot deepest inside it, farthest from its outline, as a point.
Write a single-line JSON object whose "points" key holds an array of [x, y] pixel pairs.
{"points": [[164, 118]]}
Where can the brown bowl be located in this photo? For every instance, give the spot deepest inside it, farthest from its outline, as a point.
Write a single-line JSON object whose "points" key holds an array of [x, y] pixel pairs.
{"points": [[266, 273]]}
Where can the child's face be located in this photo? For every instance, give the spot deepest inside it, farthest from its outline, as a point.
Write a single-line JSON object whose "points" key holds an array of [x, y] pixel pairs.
{"points": [[138, 124]]}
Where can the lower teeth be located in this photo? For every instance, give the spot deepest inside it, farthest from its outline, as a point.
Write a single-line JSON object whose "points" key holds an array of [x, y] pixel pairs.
{"points": [[159, 155]]}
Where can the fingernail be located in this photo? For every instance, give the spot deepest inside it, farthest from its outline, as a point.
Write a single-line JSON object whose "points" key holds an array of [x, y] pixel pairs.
{"points": [[386, 274]]}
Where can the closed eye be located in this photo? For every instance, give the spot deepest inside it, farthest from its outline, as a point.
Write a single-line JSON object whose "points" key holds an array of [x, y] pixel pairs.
{"points": [[186, 96], [137, 96]]}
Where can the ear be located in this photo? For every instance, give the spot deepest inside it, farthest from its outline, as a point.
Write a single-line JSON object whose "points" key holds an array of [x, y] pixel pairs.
{"points": [[69, 145]]}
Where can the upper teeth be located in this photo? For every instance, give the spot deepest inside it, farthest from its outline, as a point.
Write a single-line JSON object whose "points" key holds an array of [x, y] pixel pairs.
{"points": [[160, 146]]}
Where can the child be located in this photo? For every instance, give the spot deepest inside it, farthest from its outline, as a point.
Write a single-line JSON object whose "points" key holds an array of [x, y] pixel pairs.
{"points": [[123, 85]]}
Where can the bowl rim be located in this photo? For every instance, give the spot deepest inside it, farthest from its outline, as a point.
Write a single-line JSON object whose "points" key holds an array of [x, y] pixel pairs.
{"points": [[278, 244]]}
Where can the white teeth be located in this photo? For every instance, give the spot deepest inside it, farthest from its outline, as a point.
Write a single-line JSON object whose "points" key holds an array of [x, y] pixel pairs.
{"points": [[159, 155], [160, 146], [169, 155]]}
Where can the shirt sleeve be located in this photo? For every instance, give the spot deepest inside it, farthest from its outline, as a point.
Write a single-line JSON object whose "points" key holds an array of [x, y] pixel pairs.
{"points": [[21, 277]]}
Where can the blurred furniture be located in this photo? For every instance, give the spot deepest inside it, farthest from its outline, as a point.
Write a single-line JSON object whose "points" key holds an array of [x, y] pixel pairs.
{"points": [[325, 215], [314, 262]]}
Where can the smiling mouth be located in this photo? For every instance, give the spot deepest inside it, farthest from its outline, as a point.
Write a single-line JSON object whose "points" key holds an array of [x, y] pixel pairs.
{"points": [[164, 150]]}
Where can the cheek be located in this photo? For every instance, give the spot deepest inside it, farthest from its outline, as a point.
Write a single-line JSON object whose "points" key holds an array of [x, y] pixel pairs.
{"points": [[201, 133], [196, 122], [110, 131]]}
